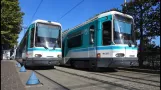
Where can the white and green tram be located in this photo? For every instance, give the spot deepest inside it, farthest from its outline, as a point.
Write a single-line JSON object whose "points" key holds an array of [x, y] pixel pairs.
{"points": [[41, 44], [106, 40]]}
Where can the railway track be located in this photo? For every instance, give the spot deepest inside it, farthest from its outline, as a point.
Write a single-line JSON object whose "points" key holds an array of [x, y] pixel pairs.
{"points": [[143, 77], [49, 79], [140, 70], [135, 78], [131, 79], [126, 74], [102, 81], [74, 82], [114, 79]]}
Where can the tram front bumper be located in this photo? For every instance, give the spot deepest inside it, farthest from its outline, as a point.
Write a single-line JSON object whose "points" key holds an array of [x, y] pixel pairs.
{"points": [[124, 62], [117, 62], [42, 61]]}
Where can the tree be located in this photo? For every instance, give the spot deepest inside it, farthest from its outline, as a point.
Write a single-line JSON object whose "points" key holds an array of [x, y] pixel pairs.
{"points": [[11, 20], [146, 14]]}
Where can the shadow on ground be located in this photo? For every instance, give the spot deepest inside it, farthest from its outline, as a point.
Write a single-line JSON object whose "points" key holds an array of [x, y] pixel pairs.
{"points": [[101, 70], [40, 68]]}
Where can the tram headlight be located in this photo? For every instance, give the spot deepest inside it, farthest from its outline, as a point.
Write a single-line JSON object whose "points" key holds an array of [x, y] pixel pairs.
{"points": [[98, 55], [38, 55], [120, 55], [59, 56]]}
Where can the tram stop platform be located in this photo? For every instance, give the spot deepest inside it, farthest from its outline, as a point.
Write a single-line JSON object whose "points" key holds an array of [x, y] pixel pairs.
{"points": [[10, 79]]}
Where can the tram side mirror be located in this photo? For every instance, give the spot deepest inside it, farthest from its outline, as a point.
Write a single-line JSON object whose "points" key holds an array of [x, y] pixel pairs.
{"points": [[92, 41], [135, 44], [91, 36]]}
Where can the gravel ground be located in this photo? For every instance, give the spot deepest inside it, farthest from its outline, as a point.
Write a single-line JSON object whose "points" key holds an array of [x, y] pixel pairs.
{"points": [[127, 81], [72, 82]]}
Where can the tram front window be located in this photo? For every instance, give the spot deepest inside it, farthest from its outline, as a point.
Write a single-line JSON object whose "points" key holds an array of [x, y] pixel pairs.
{"points": [[47, 36], [123, 30]]}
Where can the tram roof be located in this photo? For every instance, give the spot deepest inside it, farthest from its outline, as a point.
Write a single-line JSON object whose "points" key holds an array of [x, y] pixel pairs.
{"points": [[96, 17], [45, 21]]}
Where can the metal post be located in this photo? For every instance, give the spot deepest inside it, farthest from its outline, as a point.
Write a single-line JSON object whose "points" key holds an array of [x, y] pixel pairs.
{"points": [[125, 2]]}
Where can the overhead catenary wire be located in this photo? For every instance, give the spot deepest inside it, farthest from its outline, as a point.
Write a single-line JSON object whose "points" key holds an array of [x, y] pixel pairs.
{"points": [[34, 15], [70, 10], [36, 10]]}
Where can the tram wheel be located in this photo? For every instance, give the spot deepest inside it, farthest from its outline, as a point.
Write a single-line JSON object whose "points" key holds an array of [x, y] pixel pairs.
{"points": [[72, 64], [95, 69], [51, 67], [24, 63]]}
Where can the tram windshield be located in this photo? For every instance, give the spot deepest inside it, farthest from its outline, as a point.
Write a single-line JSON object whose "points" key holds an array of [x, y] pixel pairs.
{"points": [[47, 35], [123, 30]]}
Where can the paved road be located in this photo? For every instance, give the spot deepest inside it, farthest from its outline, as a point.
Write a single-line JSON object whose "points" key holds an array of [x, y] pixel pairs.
{"points": [[9, 76]]}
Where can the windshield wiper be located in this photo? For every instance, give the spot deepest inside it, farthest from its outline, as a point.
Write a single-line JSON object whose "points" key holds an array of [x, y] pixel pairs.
{"points": [[55, 44], [45, 47], [129, 43], [54, 47]]}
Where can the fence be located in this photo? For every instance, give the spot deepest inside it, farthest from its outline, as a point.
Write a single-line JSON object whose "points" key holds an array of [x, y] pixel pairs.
{"points": [[151, 60]]}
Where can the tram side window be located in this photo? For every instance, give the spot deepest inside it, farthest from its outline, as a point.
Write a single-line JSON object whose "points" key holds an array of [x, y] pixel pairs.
{"points": [[27, 34], [75, 41], [91, 29], [106, 33], [24, 44], [32, 37]]}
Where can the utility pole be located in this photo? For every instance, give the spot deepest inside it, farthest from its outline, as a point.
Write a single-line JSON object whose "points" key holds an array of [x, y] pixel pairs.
{"points": [[124, 7], [125, 3]]}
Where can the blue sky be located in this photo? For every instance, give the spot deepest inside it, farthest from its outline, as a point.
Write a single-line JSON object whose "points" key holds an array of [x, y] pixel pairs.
{"points": [[54, 9]]}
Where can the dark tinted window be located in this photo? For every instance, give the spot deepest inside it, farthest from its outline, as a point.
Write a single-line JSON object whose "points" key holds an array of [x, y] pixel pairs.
{"points": [[106, 27], [24, 44], [75, 41], [32, 37]]}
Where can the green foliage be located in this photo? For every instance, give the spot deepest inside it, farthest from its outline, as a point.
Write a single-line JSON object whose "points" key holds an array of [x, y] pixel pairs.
{"points": [[146, 14], [114, 9], [11, 20]]}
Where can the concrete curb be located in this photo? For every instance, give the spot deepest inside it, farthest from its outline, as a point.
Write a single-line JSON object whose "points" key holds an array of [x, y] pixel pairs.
{"points": [[141, 70]]}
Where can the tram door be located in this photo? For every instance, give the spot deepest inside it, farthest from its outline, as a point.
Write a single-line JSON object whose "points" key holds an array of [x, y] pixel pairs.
{"points": [[91, 48]]}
